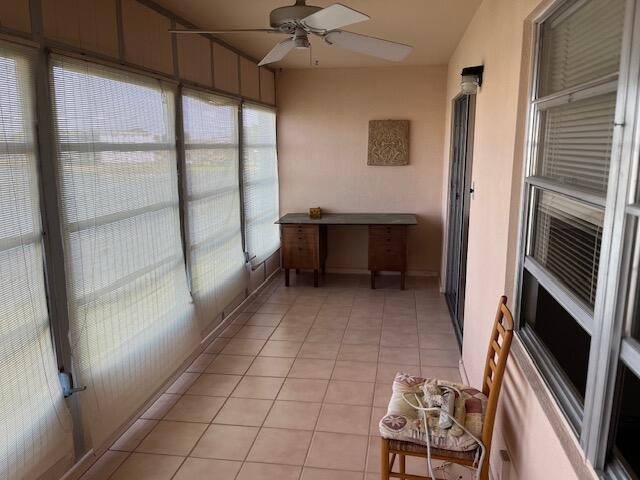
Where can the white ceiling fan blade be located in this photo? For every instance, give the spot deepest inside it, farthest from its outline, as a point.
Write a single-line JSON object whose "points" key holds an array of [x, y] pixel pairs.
{"points": [[236, 30], [375, 47], [334, 16], [278, 52]]}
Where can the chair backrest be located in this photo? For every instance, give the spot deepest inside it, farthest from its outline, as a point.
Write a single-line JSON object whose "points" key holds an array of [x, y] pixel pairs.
{"points": [[499, 346]]}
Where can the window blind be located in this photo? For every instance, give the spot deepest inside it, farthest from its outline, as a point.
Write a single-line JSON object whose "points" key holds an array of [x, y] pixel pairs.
{"points": [[131, 321], [217, 262], [581, 43], [260, 182], [576, 142], [35, 424], [567, 242]]}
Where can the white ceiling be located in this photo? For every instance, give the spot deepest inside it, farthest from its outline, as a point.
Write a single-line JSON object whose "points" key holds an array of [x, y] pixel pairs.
{"points": [[432, 27]]}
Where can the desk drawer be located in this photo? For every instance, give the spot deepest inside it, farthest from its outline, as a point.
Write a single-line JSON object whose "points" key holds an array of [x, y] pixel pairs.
{"points": [[387, 248], [300, 246]]}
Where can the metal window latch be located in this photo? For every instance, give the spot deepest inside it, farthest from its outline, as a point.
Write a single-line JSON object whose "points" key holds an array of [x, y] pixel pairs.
{"points": [[472, 190], [66, 381]]}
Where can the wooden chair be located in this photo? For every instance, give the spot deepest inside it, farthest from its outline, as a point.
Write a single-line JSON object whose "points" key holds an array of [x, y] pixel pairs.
{"points": [[499, 346]]}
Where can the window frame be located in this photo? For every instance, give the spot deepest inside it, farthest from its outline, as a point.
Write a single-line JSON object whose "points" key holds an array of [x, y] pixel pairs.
{"points": [[591, 420]]}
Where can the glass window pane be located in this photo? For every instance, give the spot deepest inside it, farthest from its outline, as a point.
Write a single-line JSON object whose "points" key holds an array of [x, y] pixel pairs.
{"points": [[566, 241], [627, 422], [260, 182], [575, 142], [581, 42], [563, 337]]}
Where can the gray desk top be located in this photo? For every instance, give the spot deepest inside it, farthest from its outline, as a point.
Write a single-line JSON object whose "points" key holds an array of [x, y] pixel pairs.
{"points": [[351, 219]]}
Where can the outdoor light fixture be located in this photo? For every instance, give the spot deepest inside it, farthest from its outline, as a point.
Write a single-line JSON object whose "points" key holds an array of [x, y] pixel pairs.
{"points": [[471, 79]]}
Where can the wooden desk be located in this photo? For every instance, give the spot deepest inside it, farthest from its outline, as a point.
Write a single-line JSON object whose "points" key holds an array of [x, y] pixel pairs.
{"points": [[304, 241]]}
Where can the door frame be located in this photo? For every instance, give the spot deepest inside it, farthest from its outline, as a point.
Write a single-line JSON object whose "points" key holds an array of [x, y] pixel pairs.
{"points": [[461, 224]]}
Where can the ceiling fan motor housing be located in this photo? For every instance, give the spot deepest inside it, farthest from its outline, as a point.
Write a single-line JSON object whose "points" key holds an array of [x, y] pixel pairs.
{"points": [[287, 18]]}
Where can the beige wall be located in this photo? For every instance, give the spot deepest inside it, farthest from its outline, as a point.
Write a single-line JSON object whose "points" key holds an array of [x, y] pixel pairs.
{"points": [[322, 137], [497, 38]]}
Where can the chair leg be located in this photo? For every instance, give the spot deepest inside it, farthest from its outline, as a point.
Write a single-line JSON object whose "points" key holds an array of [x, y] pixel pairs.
{"points": [[403, 464], [384, 459]]}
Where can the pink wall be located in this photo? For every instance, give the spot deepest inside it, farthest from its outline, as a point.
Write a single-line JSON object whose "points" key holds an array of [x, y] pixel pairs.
{"points": [[497, 37], [322, 141]]}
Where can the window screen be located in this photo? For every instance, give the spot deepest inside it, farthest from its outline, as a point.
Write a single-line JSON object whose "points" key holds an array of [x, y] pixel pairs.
{"points": [[567, 242], [36, 429], [576, 142], [131, 323], [581, 43], [260, 182], [217, 261]]}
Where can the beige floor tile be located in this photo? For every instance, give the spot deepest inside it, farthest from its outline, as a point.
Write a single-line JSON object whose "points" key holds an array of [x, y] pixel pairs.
{"points": [[299, 309], [439, 341], [443, 373], [183, 382], [265, 319], [130, 439], [201, 363], [373, 455], [312, 368], [201, 468], [325, 474], [338, 451], [258, 387], [261, 471], [331, 322], [361, 336], [243, 346], [394, 338], [294, 415], [326, 351], [104, 467], [359, 322], [303, 390], [214, 385], [404, 355], [161, 406], [324, 335], [255, 331], [376, 415], [382, 394], [292, 334], [275, 348], [195, 408], [282, 446], [387, 371], [242, 318], [142, 466], [225, 442], [270, 366], [216, 345], [355, 371], [360, 353], [349, 393], [439, 358], [344, 419], [230, 364], [172, 438], [274, 308], [244, 411]]}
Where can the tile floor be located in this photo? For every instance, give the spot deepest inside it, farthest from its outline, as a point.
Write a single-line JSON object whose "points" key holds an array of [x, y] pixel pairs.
{"points": [[294, 387]]}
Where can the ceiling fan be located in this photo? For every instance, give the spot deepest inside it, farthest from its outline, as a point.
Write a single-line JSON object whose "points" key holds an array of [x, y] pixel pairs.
{"points": [[300, 20]]}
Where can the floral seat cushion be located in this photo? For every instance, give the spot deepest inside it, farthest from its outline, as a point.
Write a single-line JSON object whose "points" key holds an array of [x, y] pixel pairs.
{"points": [[403, 422]]}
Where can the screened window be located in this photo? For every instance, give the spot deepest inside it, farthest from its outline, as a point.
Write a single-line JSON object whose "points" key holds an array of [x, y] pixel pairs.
{"points": [[35, 424], [573, 122], [131, 323], [260, 182], [216, 257]]}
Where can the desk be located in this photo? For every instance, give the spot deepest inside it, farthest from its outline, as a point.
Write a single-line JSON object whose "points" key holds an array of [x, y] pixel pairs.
{"points": [[304, 241]]}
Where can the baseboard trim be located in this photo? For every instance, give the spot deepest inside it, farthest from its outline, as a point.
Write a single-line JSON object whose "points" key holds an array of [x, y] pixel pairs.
{"points": [[364, 271]]}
